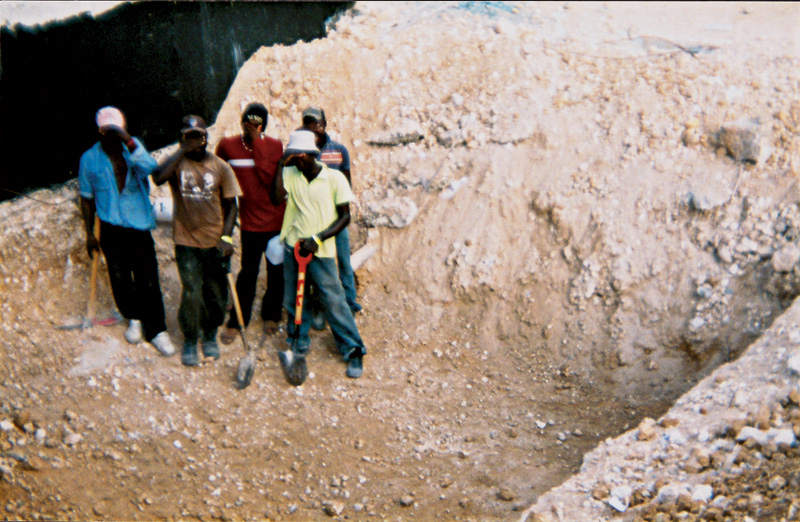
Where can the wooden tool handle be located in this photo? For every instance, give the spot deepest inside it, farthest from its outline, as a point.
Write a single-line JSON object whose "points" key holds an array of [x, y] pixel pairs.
{"points": [[93, 278], [235, 296]]}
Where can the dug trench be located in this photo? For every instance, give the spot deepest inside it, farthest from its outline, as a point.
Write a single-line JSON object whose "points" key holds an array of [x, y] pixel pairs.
{"points": [[536, 290]]}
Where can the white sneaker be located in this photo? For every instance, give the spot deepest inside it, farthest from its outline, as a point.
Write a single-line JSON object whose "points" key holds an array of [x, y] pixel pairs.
{"points": [[163, 344], [134, 332]]}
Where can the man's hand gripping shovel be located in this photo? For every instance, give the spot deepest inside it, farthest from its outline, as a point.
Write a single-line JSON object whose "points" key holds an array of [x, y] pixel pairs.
{"points": [[294, 364]]}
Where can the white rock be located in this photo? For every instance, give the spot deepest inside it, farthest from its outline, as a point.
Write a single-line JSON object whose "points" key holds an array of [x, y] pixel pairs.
{"points": [[6, 425], [670, 492], [702, 493], [541, 425], [620, 498], [697, 323], [675, 436], [721, 502], [793, 363], [785, 259], [782, 437], [748, 433], [72, 439], [177, 444]]}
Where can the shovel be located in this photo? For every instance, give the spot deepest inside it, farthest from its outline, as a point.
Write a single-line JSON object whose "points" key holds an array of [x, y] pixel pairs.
{"points": [[90, 320], [294, 364], [247, 365]]}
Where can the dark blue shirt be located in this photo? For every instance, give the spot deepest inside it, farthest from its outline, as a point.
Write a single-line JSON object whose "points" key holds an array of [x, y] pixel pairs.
{"points": [[334, 155]]}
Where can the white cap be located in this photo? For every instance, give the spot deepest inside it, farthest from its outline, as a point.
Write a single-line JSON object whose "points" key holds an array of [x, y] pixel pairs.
{"points": [[109, 116]]}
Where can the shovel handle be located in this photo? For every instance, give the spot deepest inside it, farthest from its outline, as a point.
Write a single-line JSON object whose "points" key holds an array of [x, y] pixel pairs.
{"points": [[302, 263], [235, 296], [93, 276]]}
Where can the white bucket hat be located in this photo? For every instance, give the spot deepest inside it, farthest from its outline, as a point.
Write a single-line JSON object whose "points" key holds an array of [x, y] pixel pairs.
{"points": [[302, 142]]}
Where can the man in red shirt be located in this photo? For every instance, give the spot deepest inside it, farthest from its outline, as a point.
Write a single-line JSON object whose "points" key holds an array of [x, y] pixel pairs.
{"points": [[254, 158]]}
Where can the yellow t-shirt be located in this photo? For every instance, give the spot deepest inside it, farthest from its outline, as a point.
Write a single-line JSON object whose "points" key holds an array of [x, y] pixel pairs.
{"points": [[311, 207], [197, 192]]}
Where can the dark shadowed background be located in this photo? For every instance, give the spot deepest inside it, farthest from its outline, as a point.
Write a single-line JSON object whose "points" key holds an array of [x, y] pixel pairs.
{"points": [[154, 60]]}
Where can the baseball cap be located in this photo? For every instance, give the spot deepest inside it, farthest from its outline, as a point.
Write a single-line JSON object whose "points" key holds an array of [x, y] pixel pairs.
{"points": [[314, 112], [109, 116], [193, 123]]}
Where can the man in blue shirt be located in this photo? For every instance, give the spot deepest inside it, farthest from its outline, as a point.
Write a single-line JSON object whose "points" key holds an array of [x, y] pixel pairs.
{"points": [[113, 184], [334, 155]]}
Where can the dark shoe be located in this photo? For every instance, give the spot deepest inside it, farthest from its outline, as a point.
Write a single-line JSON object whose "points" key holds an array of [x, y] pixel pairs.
{"points": [[210, 348], [318, 321], [189, 355], [271, 327], [355, 367], [228, 335]]}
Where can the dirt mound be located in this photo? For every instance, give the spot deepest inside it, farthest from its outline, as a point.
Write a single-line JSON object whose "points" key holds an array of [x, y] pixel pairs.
{"points": [[566, 244]]}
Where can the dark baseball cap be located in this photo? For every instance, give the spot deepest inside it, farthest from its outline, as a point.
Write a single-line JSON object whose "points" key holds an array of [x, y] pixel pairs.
{"points": [[315, 113], [193, 123]]}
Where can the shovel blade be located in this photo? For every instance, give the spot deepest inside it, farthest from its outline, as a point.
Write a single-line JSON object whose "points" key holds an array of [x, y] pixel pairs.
{"points": [[294, 367], [247, 367]]}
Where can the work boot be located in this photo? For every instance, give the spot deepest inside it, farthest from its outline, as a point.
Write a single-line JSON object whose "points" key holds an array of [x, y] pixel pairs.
{"points": [[134, 332], [355, 363], [163, 344], [210, 347], [355, 367], [189, 355]]}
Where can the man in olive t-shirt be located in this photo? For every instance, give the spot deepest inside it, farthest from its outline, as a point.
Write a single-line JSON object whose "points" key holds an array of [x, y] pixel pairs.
{"points": [[204, 191]]}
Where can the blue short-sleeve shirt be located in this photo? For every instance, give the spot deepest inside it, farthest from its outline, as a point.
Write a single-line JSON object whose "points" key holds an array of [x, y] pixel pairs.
{"points": [[130, 208], [334, 155]]}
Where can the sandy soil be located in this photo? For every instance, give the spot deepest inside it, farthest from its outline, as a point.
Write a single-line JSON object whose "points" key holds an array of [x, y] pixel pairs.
{"points": [[565, 246]]}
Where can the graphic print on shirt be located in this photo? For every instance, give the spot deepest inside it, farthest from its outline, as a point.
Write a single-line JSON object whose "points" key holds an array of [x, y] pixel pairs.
{"points": [[190, 189]]}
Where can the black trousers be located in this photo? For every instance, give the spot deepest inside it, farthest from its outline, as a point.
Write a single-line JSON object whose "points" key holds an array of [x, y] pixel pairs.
{"points": [[205, 291], [133, 271], [253, 246]]}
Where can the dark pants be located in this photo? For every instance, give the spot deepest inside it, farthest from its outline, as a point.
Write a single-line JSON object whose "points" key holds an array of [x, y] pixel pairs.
{"points": [[205, 293], [133, 271], [253, 246]]}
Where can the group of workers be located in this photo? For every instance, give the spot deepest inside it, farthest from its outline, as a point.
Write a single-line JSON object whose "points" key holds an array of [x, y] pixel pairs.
{"points": [[301, 195]]}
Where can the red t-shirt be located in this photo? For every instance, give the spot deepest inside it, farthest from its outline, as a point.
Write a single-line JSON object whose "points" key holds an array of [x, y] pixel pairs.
{"points": [[255, 171]]}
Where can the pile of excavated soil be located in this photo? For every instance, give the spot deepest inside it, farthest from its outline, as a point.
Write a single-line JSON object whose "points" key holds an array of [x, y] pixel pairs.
{"points": [[579, 212]]}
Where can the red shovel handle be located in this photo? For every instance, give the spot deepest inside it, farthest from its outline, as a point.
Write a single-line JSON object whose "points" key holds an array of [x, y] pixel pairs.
{"points": [[302, 263]]}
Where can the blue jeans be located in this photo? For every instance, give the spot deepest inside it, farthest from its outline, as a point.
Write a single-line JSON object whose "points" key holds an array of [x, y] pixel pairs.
{"points": [[323, 273], [346, 274], [205, 291]]}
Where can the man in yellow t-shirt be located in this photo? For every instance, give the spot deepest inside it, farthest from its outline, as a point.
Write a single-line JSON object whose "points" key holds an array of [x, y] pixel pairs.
{"points": [[317, 209], [204, 191]]}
